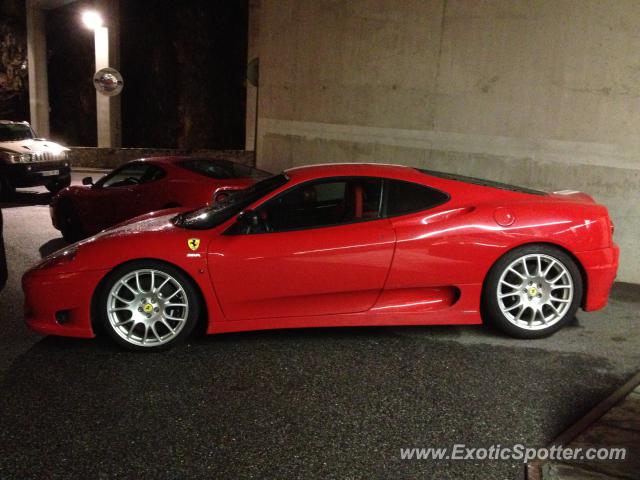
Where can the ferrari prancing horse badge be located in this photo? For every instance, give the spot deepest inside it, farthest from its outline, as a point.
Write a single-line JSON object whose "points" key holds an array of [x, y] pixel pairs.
{"points": [[194, 243]]}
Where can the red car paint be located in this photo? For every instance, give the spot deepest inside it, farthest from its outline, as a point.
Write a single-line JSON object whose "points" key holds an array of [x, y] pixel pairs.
{"points": [[421, 268], [100, 208]]}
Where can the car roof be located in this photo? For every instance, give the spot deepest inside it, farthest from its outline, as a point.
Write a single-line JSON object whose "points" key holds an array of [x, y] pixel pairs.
{"points": [[347, 169]]}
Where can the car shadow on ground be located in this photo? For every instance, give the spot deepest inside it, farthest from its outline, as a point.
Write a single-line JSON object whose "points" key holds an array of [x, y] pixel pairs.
{"points": [[25, 198], [51, 246]]}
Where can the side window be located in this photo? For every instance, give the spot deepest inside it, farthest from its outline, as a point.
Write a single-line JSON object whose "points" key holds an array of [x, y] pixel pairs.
{"points": [[408, 197], [132, 174], [320, 204]]}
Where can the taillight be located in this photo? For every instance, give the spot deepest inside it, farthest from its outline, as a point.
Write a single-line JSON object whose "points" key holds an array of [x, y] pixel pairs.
{"points": [[613, 227]]}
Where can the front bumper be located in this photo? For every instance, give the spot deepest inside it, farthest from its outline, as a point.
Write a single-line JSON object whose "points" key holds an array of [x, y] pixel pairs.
{"points": [[31, 174], [600, 267], [60, 304]]}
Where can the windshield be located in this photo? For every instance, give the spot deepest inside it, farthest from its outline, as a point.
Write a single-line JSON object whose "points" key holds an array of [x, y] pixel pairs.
{"points": [[214, 215], [11, 132]]}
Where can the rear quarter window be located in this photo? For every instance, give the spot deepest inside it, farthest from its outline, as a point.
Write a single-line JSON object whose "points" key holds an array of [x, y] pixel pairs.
{"points": [[409, 197]]}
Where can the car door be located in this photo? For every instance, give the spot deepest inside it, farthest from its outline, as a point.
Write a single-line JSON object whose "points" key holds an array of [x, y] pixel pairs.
{"points": [[319, 248], [125, 193]]}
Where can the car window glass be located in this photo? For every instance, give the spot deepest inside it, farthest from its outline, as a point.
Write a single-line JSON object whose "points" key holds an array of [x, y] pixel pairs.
{"points": [[321, 204], [407, 197], [132, 174], [221, 169]]}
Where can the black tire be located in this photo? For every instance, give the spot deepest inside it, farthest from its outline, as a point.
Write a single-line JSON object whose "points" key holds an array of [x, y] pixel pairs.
{"points": [[7, 191], [59, 184], [507, 322], [69, 222], [189, 296]]}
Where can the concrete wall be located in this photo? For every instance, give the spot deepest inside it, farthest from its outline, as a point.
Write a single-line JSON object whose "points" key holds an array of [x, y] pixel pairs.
{"points": [[544, 93]]}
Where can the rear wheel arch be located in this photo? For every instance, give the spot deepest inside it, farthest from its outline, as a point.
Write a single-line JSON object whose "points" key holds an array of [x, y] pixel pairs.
{"points": [[202, 322]]}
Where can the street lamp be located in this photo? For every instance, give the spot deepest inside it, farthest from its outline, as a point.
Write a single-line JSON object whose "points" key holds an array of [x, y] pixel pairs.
{"points": [[92, 19]]}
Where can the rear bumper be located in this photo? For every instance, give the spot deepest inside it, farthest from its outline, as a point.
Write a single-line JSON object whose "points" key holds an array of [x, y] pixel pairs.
{"points": [[601, 267], [34, 173], [60, 304]]}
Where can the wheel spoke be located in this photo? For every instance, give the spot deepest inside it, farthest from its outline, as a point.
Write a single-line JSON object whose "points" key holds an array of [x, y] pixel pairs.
{"points": [[515, 287], [173, 295], [171, 317], [124, 322], [175, 305], [548, 269], [562, 274], [526, 269], [516, 305], [138, 282], [155, 332], [146, 332], [166, 324], [539, 258], [119, 309], [117, 297], [129, 287], [162, 284], [513, 270], [556, 287], [561, 300]]}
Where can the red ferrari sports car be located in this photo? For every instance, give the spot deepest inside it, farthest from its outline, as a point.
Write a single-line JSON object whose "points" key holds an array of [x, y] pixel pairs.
{"points": [[143, 186], [335, 245]]}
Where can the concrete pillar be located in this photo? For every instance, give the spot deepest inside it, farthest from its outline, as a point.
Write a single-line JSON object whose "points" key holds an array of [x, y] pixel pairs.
{"points": [[107, 48], [37, 62], [252, 91]]}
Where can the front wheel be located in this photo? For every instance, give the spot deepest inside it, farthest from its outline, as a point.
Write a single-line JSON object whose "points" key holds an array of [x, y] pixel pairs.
{"points": [[148, 305], [532, 291], [59, 184]]}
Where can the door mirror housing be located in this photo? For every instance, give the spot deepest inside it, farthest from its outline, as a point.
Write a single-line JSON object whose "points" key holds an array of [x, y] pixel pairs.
{"points": [[87, 181]]}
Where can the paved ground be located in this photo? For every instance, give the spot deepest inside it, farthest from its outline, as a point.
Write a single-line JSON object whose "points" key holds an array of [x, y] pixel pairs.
{"points": [[334, 403]]}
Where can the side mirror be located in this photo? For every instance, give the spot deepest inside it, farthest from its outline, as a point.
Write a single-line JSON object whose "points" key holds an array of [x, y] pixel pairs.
{"points": [[248, 218], [87, 181]]}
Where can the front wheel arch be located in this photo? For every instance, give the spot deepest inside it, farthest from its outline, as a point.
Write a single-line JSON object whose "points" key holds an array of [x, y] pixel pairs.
{"points": [[202, 321]]}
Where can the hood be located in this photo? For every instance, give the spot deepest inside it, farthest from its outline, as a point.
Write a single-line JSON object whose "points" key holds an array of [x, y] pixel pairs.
{"points": [[32, 146], [149, 223]]}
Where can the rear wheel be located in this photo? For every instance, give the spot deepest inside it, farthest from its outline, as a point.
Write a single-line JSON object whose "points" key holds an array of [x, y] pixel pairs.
{"points": [[532, 291], [148, 305]]}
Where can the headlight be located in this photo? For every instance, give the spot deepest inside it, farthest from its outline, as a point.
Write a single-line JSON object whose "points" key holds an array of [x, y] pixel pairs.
{"points": [[15, 157]]}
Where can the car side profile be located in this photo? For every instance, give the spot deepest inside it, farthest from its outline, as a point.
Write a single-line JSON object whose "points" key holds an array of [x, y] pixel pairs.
{"points": [[335, 245], [144, 185]]}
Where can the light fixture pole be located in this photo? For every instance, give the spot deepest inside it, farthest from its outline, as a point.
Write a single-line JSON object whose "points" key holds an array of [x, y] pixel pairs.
{"points": [[104, 111]]}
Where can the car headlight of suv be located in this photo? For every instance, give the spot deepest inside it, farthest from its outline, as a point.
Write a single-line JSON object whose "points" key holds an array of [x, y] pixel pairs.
{"points": [[15, 157]]}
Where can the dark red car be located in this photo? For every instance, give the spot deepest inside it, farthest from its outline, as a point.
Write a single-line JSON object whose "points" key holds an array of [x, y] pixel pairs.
{"points": [[335, 245], [143, 186]]}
